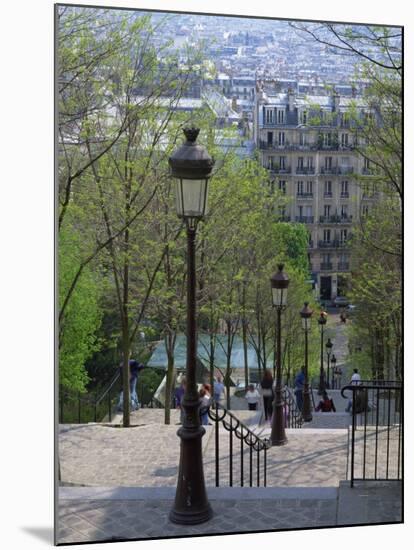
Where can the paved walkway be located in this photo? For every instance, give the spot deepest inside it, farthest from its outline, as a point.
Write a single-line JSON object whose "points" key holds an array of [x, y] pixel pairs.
{"points": [[147, 456], [128, 513]]}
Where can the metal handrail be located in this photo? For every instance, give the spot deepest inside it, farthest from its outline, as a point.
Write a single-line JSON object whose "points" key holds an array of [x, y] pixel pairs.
{"points": [[295, 418], [246, 436]]}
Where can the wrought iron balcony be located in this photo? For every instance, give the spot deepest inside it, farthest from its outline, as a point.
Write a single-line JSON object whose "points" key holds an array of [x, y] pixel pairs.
{"points": [[326, 266], [284, 218], [344, 194], [343, 266], [304, 195], [335, 219], [273, 145], [327, 195], [278, 170], [305, 170], [330, 170], [304, 219]]}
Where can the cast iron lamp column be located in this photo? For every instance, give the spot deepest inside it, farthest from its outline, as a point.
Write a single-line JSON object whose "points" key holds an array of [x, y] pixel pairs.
{"points": [[328, 346], [322, 323], [279, 284], [191, 165], [306, 314], [333, 361]]}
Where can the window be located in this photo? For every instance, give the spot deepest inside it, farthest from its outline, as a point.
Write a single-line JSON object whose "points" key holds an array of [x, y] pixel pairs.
{"points": [[309, 162], [281, 138], [282, 186], [281, 116], [282, 163], [303, 117], [327, 139], [344, 235], [328, 163], [270, 163], [328, 188], [326, 258], [269, 138], [269, 116], [300, 211], [308, 213], [300, 162], [327, 210], [300, 187], [344, 188], [309, 185], [302, 138], [344, 140], [326, 235], [344, 211]]}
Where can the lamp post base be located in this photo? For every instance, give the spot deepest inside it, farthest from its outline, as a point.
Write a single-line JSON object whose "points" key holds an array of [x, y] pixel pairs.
{"points": [[191, 505], [306, 409], [278, 435]]}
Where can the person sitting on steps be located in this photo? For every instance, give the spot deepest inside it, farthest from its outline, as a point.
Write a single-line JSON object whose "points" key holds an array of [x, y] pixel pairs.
{"points": [[326, 404]]}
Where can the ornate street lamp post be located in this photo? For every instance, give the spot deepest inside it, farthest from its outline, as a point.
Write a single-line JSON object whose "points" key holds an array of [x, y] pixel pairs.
{"points": [[329, 346], [334, 371], [306, 314], [322, 323], [191, 165], [279, 284]]}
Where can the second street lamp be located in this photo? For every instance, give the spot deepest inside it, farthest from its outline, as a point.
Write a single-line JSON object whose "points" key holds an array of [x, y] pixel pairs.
{"points": [[321, 323], [334, 371], [279, 284], [306, 314], [191, 165], [328, 346]]}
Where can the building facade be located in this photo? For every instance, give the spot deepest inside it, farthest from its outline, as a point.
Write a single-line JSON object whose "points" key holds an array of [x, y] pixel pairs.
{"points": [[307, 145]]}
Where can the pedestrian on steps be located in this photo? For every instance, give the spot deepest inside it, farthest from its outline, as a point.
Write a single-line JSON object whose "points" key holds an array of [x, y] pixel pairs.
{"points": [[267, 392], [252, 397]]}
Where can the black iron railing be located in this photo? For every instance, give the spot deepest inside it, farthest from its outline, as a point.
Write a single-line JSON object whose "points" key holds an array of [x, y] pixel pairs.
{"points": [[293, 415], [77, 408], [250, 450], [377, 430]]}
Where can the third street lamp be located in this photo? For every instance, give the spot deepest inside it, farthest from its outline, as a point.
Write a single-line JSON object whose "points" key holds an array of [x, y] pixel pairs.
{"points": [[306, 314], [334, 371], [191, 165], [322, 323], [279, 283], [328, 346]]}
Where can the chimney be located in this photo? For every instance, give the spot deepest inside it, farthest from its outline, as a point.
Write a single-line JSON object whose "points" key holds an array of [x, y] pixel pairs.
{"points": [[291, 99]]}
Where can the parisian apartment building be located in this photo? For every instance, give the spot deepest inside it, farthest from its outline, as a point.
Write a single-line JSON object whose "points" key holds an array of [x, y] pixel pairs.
{"points": [[306, 143]]}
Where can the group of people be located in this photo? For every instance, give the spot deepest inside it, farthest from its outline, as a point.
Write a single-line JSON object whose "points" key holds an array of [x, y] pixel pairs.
{"points": [[206, 394]]}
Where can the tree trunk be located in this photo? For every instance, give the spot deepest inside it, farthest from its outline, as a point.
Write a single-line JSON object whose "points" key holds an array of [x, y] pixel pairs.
{"points": [[169, 383], [246, 365]]}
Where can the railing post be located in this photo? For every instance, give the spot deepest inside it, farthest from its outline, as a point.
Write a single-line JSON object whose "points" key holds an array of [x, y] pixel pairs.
{"points": [[241, 458], [79, 408], [217, 446], [109, 406], [231, 453], [353, 439]]}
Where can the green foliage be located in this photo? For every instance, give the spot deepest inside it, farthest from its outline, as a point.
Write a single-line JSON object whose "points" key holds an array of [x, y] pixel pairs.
{"points": [[83, 315]]}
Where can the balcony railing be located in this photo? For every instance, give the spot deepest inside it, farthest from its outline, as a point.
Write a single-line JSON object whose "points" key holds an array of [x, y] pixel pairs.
{"points": [[327, 195], [343, 266], [344, 170], [304, 219], [305, 170], [326, 266], [304, 195], [284, 218], [332, 244], [278, 170], [344, 194], [273, 145], [335, 219]]}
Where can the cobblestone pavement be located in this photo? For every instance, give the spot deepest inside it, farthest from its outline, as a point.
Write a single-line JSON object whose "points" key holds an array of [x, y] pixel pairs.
{"points": [[88, 519], [147, 456]]}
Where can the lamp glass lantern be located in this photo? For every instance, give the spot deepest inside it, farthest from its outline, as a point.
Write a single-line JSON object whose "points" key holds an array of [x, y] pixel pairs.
{"points": [[279, 283], [306, 314], [191, 165], [322, 320], [329, 346]]}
